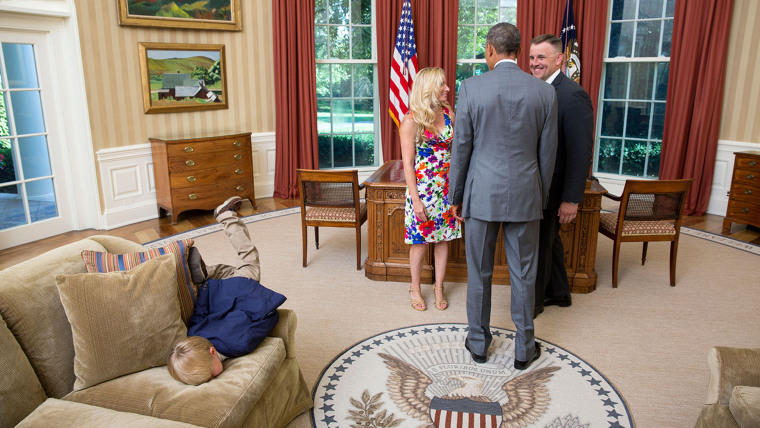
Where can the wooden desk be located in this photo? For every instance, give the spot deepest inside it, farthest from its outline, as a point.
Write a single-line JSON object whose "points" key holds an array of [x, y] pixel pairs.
{"points": [[388, 255]]}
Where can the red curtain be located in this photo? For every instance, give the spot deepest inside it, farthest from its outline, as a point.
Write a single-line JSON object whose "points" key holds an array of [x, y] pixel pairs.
{"points": [[435, 30], [295, 93], [536, 17], [695, 96]]}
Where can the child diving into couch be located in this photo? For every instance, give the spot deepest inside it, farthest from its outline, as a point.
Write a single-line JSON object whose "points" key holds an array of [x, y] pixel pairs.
{"points": [[233, 312]]}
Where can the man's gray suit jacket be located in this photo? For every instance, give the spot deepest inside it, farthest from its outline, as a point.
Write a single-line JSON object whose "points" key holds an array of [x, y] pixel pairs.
{"points": [[505, 144]]}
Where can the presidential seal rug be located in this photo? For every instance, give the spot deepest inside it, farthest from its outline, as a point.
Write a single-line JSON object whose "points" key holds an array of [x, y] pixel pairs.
{"points": [[422, 376]]}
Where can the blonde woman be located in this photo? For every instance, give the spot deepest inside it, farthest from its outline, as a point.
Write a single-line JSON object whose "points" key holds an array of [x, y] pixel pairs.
{"points": [[426, 133]]}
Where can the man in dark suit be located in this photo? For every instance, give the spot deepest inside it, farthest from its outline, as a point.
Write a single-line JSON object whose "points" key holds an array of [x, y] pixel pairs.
{"points": [[505, 141], [574, 150]]}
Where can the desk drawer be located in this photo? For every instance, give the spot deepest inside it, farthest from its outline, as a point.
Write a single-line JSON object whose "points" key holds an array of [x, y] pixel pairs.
{"points": [[744, 211], [198, 161], [202, 177]]}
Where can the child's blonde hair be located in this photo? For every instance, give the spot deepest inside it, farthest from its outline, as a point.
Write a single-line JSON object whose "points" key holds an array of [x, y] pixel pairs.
{"points": [[424, 102], [191, 361]]}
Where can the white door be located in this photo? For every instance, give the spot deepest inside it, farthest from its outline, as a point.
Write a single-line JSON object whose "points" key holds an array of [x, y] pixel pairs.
{"points": [[33, 195]]}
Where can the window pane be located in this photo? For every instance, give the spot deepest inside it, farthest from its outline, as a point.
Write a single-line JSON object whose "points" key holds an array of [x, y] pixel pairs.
{"points": [[323, 80], [480, 68], [488, 12], [467, 12], [658, 121], [648, 38], [41, 199], [343, 151], [609, 156], [621, 39], [365, 149], [634, 157], [615, 81], [362, 42], [466, 42], [653, 164], [339, 41], [480, 42], [325, 151], [663, 68], [650, 9], [623, 9], [320, 12], [670, 8], [338, 10], [363, 80], [4, 129], [320, 42], [637, 125], [323, 116], [642, 81], [508, 11], [12, 205], [364, 116], [464, 71], [7, 165], [34, 156], [27, 112], [20, 66], [667, 37], [341, 116], [361, 12], [341, 80], [612, 119]]}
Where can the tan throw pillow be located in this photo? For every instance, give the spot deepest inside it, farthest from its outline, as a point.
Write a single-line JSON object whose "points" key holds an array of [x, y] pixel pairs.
{"points": [[122, 322]]}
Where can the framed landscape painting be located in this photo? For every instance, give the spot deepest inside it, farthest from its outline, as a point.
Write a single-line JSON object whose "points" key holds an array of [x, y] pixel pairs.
{"points": [[197, 14], [182, 77]]}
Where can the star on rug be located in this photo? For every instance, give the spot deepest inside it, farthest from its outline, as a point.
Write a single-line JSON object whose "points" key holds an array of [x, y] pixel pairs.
{"points": [[423, 376]]}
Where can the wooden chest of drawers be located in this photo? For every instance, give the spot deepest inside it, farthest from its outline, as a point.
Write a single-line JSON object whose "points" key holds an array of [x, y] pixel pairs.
{"points": [[200, 173], [744, 196]]}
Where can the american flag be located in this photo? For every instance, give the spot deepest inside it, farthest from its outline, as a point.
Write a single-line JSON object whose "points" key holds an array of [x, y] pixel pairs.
{"points": [[403, 66], [569, 37]]}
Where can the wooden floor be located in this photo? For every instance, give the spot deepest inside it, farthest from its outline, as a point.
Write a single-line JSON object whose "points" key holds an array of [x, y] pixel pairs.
{"points": [[151, 230]]}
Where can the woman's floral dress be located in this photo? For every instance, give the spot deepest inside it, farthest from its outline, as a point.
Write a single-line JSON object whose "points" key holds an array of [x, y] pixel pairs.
{"points": [[431, 166]]}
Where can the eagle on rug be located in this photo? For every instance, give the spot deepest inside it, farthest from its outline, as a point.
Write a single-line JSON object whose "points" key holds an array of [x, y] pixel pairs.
{"points": [[527, 396]]}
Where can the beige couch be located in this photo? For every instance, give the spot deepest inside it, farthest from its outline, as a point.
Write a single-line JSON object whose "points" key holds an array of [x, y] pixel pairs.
{"points": [[37, 369], [733, 395]]}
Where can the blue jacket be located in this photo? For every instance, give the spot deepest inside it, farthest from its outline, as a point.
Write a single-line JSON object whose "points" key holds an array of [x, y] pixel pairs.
{"points": [[235, 314]]}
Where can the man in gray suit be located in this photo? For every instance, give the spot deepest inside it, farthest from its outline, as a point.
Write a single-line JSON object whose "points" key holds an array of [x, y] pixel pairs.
{"points": [[505, 143]]}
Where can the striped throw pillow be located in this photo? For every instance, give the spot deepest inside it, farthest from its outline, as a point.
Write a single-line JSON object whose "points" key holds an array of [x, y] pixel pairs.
{"points": [[98, 261]]}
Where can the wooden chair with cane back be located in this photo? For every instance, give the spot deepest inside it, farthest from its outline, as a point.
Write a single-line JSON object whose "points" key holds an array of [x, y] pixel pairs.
{"points": [[331, 199], [650, 210]]}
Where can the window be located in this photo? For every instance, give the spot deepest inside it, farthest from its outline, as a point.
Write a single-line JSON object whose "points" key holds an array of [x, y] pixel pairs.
{"points": [[476, 17], [346, 84], [634, 86]]}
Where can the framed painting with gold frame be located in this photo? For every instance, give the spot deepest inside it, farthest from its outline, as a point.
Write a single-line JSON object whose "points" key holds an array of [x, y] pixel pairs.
{"points": [[210, 15], [182, 77]]}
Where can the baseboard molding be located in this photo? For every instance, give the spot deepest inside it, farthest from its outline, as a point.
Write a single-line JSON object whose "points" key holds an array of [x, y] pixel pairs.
{"points": [[128, 187]]}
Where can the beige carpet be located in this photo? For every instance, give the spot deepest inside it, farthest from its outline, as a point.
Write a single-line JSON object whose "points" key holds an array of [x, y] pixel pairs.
{"points": [[648, 339]]}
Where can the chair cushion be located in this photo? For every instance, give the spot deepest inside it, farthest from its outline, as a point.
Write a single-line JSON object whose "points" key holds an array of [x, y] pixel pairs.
{"points": [[745, 406], [608, 221], [347, 215], [103, 262], [122, 322]]}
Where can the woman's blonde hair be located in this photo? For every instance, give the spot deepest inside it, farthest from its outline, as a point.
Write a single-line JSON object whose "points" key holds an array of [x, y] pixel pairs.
{"points": [[191, 361], [424, 102]]}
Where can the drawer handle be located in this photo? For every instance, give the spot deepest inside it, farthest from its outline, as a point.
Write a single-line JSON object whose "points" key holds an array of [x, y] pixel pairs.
{"points": [[752, 163], [238, 156], [238, 171], [745, 210], [188, 149], [190, 163], [191, 178], [193, 196], [236, 144], [747, 192], [750, 176], [240, 188]]}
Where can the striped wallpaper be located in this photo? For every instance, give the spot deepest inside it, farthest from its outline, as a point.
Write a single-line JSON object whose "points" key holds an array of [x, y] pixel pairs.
{"points": [[112, 76]]}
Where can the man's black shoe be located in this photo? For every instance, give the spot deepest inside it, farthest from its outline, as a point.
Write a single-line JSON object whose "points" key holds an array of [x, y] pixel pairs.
{"points": [[475, 357], [522, 365], [562, 302], [537, 311]]}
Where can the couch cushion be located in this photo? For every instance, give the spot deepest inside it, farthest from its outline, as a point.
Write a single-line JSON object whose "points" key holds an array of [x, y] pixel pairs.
{"points": [[62, 413], [95, 261], [20, 390], [715, 415], [745, 406], [122, 322], [30, 305], [225, 401]]}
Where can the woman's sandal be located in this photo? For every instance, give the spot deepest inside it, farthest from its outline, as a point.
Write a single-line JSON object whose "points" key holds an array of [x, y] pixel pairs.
{"points": [[440, 303], [417, 304]]}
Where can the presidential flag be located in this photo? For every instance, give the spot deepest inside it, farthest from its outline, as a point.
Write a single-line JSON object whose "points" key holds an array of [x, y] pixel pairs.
{"points": [[403, 65], [569, 37]]}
